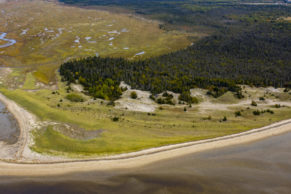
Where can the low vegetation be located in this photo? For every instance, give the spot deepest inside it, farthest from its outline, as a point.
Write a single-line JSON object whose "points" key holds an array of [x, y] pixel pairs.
{"points": [[133, 95], [254, 103], [75, 98], [237, 113], [258, 112], [126, 131]]}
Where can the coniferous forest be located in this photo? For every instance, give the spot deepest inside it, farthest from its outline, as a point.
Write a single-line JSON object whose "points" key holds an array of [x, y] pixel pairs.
{"points": [[258, 56], [248, 45]]}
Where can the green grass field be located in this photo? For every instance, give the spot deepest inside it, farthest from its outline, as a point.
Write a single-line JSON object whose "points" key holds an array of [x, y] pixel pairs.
{"points": [[134, 130]]}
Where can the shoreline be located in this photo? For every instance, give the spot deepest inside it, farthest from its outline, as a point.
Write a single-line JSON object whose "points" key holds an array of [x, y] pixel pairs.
{"points": [[53, 165], [24, 120]]}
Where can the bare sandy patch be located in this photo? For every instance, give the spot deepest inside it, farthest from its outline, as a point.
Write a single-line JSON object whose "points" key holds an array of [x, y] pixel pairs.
{"points": [[77, 87], [142, 104]]}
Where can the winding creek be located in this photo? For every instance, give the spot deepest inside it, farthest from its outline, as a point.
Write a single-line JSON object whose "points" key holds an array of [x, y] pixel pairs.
{"points": [[9, 130], [10, 42]]}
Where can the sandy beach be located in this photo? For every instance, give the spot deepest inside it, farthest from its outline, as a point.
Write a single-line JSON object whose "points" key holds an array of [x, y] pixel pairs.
{"points": [[25, 166]]}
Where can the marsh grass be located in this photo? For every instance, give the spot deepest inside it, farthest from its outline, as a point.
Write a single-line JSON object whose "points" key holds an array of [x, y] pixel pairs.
{"points": [[49, 41]]}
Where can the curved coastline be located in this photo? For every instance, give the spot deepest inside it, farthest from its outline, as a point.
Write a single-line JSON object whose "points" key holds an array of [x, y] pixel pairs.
{"points": [[25, 121], [9, 128], [53, 166]]}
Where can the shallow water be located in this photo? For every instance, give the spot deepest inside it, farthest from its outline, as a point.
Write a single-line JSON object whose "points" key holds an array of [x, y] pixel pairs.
{"points": [[258, 167], [10, 42], [9, 130]]}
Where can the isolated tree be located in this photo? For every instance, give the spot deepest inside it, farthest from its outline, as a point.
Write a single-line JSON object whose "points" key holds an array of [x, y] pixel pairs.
{"points": [[133, 95]]}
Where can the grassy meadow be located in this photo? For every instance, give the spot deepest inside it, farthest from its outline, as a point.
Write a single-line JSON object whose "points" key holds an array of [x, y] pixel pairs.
{"points": [[132, 130]]}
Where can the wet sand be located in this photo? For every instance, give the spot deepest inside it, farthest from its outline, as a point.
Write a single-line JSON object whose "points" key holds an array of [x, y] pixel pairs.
{"points": [[259, 167]]}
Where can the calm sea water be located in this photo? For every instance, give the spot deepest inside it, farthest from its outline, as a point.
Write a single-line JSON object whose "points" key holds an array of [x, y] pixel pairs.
{"points": [[258, 167], [9, 131]]}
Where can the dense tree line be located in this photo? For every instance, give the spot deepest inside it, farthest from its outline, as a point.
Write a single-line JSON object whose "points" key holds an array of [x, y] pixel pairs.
{"points": [[208, 14], [259, 56], [101, 77]]}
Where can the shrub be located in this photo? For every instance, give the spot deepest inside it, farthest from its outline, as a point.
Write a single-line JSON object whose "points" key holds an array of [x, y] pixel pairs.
{"points": [[254, 103], [115, 119], [68, 89], [262, 98], [75, 98], [217, 91], [224, 118], [237, 113], [152, 97], [160, 101], [165, 101], [256, 112], [111, 103], [123, 89], [133, 95], [166, 94], [239, 95], [186, 97], [277, 106]]}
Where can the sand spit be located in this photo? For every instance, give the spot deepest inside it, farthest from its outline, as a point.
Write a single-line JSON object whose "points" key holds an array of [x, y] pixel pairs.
{"points": [[26, 122], [48, 166]]}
